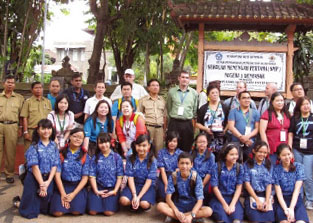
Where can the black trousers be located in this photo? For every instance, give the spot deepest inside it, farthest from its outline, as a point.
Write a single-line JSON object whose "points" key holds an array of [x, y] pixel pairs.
{"points": [[185, 131]]}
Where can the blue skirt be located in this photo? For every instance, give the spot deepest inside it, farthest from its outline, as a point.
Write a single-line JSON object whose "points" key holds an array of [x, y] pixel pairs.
{"points": [[185, 205], [78, 204], [161, 193], [99, 204], [31, 203], [219, 213], [300, 211], [256, 215], [149, 196]]}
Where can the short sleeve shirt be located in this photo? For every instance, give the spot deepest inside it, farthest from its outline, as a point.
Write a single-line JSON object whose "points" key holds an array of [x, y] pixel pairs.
{"points": [[184, 190], [239, 118], [92, 102], [302, 129], [140, 171], [258, 176], [202, 166], [72, 169], [287, 179], [10, 108], [167, 160], [93, 132], [45, 157], [107, 169], [227, 180]]}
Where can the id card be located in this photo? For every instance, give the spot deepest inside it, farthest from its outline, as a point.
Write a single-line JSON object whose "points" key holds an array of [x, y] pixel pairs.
{"points": [[248, 130], [180, 110], [283, 135], [303, 143]]}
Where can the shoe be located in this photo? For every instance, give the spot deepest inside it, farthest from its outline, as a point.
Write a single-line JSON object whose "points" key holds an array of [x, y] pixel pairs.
{"points": [[16, 201], [9, 180], [198, 220], [168, 219], [309, 205]]}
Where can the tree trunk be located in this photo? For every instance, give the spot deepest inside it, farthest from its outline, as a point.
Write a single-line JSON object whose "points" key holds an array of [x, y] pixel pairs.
{"points": [[147, 64], [23, 37], [161, 60], [5, 42], [94, 61], [185, 50]]}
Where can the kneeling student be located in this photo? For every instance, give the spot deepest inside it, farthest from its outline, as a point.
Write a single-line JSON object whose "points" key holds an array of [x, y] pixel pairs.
{"points": [[184, 195]]}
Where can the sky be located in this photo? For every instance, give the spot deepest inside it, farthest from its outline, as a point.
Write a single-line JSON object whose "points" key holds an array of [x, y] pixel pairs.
{"points": [[67, 27]]}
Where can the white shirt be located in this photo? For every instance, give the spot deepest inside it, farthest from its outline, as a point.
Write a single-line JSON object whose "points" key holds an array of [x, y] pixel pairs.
{"points": [[138, 92], [92, 102]]}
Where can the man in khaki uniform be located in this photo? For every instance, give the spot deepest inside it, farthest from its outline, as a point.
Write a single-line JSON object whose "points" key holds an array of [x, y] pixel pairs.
{"points": [[153, 106], [34, 109], [10, 107]]}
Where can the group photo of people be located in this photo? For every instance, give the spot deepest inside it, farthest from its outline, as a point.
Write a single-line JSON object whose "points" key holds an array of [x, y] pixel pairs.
{"points": [[191, 155]]}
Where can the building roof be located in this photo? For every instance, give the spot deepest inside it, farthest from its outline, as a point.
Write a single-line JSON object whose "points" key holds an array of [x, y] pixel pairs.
{"points": [[217, 15]]}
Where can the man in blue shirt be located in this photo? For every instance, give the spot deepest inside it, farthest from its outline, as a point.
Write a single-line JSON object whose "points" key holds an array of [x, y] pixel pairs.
{"points": [[54, 90], [77, 99], [243, 122]]}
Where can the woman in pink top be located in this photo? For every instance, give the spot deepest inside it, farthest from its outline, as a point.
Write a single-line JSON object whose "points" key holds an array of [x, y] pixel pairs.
{"points": [[274, 124]]}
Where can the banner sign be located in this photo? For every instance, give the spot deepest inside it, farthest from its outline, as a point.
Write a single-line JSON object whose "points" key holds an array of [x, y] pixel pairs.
{"points": [[254, 68]]}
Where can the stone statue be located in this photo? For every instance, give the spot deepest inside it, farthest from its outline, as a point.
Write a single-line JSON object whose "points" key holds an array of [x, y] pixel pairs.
{"points": [[65, 72]]}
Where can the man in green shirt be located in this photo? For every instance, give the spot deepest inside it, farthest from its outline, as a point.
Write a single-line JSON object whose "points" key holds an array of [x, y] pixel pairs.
{"points": [[182, 102]]}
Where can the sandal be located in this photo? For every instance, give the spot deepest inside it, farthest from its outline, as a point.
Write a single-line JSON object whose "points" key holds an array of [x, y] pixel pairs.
{"points": [[16, 201]]}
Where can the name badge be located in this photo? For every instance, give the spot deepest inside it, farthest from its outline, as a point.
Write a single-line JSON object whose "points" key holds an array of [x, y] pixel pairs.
{"points": [[303, 143], [180, 110], [248, 130], [283, 135]]}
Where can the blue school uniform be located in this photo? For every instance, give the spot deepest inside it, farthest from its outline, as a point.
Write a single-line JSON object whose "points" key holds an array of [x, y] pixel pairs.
{"points": [[106, 170], [204, 167], [169, 163], [186, 198], [141, 173], [259, 177], [72, 169], [93, 132], [286, 181], [45, 157], [226, 181]]}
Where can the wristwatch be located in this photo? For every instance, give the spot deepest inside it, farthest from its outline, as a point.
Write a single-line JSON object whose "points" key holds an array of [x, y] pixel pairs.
{"points": [[193, 215]]}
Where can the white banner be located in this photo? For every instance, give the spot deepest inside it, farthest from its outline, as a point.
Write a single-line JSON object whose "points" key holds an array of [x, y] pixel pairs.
{"points": [[254, 68]]}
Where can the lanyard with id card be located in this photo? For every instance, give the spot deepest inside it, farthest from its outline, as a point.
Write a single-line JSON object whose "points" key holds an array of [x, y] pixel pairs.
{"points": [[180, 110], [248, 129], [304, 141]]}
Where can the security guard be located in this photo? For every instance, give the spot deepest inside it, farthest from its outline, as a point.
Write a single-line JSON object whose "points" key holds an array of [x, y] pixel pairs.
{"points": [[34, 109], [10, 107]]}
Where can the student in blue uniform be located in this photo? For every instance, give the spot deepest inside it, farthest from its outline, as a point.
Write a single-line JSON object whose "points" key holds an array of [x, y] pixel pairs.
{"points": [[258, 183], [288, 179], [71, 177], [203, 162], [184, 195], [141, 169], [42, 159], [99, 121], [226, 181], [106, 172], [167, 162]]}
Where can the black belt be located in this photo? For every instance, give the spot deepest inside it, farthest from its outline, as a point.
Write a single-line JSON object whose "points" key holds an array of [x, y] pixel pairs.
{"points": [[181, 120], [154, 126], [8, 122]]}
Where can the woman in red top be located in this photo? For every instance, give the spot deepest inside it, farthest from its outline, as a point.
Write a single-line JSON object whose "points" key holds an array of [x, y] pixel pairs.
{"points": [[129, 127], [274, 124]]}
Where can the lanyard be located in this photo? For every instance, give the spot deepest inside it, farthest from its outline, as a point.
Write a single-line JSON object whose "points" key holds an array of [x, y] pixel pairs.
{"points": [[80, 97], [61, 127], [245, 117], [304, 125], [214, 114], [182, 96]]}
